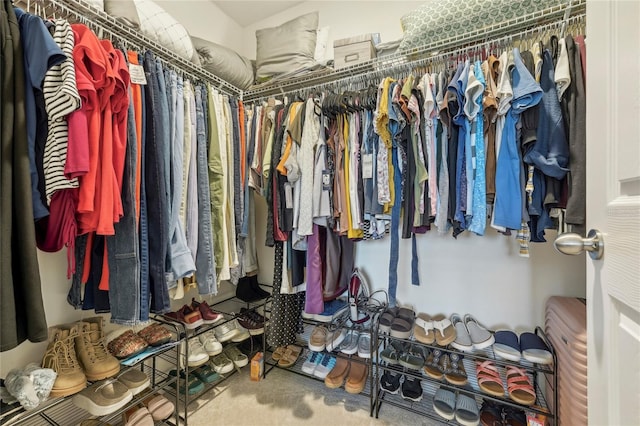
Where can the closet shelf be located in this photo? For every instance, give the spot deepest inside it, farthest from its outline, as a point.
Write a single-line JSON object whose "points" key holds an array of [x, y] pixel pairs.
{"points": [[91, 16], [413, 57]]}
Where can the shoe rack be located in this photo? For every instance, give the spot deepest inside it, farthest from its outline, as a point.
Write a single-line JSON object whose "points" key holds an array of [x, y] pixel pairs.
{"points": [[63, 412], [430, 385], [308, 325], [230, 307]]}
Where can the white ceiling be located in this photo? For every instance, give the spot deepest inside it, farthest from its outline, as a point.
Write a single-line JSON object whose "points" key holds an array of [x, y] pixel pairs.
{"points": [[248, 12]]}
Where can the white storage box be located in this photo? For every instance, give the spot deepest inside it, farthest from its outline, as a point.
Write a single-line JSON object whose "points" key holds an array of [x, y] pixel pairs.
{"points": [[353, 50]]}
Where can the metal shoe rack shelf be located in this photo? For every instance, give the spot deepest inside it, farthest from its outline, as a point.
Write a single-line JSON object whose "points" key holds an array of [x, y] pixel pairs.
{"points": [[229, 307], [424, 407], [61, 411], [303, 341]]}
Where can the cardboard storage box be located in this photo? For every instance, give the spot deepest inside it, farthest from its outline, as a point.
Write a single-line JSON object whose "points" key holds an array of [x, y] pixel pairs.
{"points": [[353, 50]]}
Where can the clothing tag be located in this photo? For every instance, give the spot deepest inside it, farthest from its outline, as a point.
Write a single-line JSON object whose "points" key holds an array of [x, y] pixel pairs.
{"points": [[288, 196], [136, 73], [326, 180], [367, 166]]}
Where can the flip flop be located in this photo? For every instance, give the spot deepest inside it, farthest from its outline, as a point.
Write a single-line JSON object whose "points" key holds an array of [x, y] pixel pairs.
{"points": [[489, 379], [519, 386], [534, 349], [290, 356], [444, 330], [424, 331], [506, 345]]}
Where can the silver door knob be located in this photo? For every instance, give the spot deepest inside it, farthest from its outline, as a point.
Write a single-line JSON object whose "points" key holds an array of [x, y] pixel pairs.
{"points": [[574, 244]]}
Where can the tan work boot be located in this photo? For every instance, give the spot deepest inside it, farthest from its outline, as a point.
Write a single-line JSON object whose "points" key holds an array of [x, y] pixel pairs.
{"points": [[60, 356], [92, 353]]}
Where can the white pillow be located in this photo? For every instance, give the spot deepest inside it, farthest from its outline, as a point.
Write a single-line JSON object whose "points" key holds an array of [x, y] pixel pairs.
{"points": [[158, 25], [322, 41]]}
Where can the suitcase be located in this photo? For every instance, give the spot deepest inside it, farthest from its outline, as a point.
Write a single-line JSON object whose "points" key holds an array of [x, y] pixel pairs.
{"points": [[566, 329]]}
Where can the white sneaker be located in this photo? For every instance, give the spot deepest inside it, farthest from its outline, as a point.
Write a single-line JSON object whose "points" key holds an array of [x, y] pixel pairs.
{"points": [[350, 344], [227, 331], [197, 354], [210, 343], [364, 345], [242, 334]]}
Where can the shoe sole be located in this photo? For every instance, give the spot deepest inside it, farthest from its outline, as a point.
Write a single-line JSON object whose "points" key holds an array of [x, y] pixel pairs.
{"points": [[227, 336], [198, 363], [393, 392], [241, 364], [464, 422], [89, 406], [214, 353], [460, 347], [365, 355], [96, 377], [67, 391], [349, 351], [136, 390], [241, 337], [448, 416], [416, 399], [485, 344], [220, 318], [256, 332], [316, 348], [192, 325], [227, 368]]}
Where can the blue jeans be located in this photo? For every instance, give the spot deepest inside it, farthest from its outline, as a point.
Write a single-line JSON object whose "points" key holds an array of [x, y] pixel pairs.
{"points": [[205, 262], [180, 260], [144, 231], [122, 248], [156, 152]]}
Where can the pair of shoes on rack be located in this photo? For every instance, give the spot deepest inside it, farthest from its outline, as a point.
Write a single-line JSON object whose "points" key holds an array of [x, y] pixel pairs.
{"points": [[359, 343], [440, 364], [397, 321], [352, 373], [249, 290], [195, 315], [230, 358], [470, 334], [107, 396], [461, 407], [232, 330], [78, 353], [155, 408], [409, 386], [318, 364], [529, 346], [333, 310], [494, 414], [252, 321]]}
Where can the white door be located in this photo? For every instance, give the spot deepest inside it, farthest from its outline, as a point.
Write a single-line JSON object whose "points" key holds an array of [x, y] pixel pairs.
{"points": [[613, 207]]}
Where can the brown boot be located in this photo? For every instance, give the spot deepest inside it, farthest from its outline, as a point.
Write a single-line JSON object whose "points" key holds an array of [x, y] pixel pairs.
{"points": [[61, 357], [98, 364]]}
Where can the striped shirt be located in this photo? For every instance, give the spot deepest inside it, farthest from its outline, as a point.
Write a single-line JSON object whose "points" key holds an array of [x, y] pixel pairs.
{"points": [[61, 98]]}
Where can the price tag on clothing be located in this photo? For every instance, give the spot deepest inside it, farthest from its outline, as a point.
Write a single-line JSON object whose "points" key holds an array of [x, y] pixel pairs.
{"points": [[326, 180], [367, 166], [288, 196], [136, 73]]}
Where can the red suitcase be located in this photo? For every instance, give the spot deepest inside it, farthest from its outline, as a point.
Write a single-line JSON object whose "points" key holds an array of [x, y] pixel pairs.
{"points": [[566, 328]]}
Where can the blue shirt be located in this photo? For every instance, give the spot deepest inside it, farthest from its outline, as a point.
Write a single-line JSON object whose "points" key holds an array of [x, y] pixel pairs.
{"points": [[41, 52]]}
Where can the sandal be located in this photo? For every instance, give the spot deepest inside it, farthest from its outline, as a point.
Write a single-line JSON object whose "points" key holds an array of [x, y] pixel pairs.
{"points": [[413, 358], [424, 331], [386, 319], [444, 331], [489, 379], [432, 365], [290, 356], [454, 372], [402, 325], [519, 386], [391, 354], [277, 354]]}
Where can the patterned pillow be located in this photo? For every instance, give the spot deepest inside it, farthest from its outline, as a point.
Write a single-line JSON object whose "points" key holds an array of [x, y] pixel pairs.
{"points": [[442, 19], [158, 25]]}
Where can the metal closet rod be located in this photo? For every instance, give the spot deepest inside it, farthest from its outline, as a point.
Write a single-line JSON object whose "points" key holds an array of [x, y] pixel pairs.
{"points": [[512, 28], [357, 82], [98, 19]]}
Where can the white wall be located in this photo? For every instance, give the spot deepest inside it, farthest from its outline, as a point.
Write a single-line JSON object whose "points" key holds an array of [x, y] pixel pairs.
{"points": [[346, 18], [205, 20]]}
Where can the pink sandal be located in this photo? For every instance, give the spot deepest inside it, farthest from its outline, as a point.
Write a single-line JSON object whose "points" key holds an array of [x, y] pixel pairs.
{"points": [[489, 379], [519, 386]]}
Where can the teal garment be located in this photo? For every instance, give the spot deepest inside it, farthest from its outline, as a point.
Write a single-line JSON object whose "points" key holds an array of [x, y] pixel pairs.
{"points": [[479, 219]]}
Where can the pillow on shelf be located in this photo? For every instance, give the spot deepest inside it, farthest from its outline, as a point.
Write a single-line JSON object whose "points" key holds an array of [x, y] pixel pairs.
{"points": [[287, 47], [322, 41], [124, 11], [224, 63], [158, 25], [442, 19]]}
